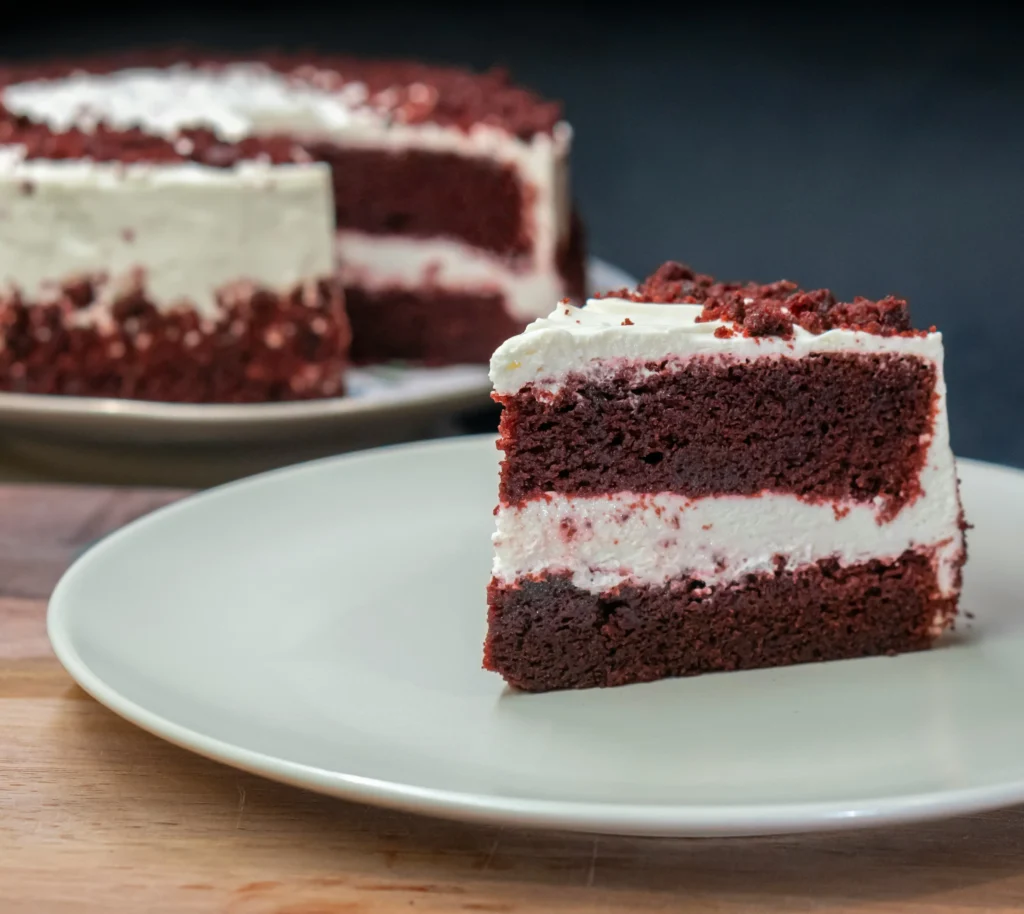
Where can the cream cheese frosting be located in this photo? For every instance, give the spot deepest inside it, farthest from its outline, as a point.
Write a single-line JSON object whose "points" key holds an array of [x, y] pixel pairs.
{"points": [[189, 228], [605, 541], [235, 101]]}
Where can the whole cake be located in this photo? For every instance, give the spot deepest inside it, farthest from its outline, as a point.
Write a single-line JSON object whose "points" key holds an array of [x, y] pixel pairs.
{"points": [[187, 228], [704, 476]]}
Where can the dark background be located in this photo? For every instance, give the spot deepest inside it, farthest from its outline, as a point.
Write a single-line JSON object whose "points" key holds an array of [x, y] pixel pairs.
{"points": [[873, 151]]}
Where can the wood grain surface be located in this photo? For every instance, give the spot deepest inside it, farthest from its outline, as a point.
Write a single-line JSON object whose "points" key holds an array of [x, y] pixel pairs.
{"points": [[97, 816]]}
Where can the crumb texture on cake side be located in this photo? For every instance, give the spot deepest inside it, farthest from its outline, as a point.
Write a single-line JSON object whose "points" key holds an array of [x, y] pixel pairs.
{"points": [[703, 476], [263, 345]]}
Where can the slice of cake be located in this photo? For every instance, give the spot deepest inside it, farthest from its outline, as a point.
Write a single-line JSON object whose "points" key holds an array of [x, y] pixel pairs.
{"points": [[704, 476], [438, 198]]}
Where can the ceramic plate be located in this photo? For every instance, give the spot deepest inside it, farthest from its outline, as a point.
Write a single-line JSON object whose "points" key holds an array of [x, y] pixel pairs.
{"points": [[322, 625]]}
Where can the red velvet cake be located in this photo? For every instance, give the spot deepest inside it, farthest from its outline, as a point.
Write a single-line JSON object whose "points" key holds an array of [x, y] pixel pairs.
{"points": [[702, 476], [187, 228]]}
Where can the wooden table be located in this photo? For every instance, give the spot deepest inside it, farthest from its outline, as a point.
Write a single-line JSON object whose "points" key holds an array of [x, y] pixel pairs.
{"points": [[96, 815]]}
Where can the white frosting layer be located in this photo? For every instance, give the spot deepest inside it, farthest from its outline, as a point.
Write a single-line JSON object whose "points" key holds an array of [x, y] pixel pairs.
{"points": [[235, 101], [604, 541], [594, 340], [192, 229], [250, 99], [377, 263]]}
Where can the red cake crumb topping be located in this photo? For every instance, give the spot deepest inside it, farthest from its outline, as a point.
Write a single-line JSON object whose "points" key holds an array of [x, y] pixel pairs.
{"points": [[770, 309], [407, 92]]}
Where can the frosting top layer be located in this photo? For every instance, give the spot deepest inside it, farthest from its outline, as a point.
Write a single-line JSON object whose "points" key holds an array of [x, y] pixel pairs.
{"points": [[333, 87], [235, 101], [608, 540], [610, 332]]}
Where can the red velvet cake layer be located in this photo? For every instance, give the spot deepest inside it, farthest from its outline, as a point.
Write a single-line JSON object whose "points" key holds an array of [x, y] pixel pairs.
{"points": [[428, 326], [263, 346], [428, 194], [437, 326], [837, 426], [547, 634]]}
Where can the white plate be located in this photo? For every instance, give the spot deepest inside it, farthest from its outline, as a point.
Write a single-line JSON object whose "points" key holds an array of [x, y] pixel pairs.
{"points": [[322, 625], [93, 439]]}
